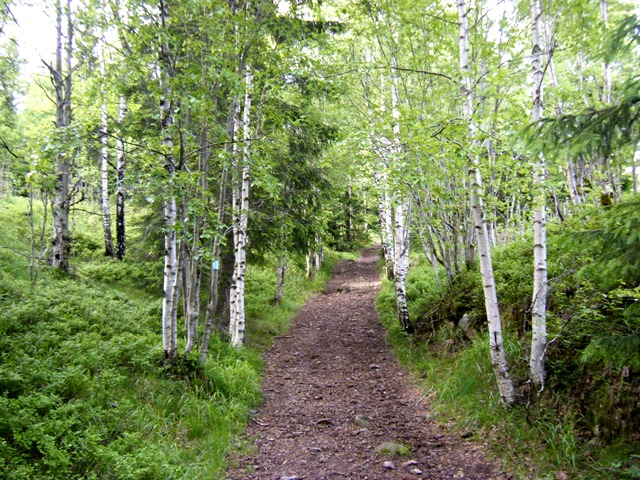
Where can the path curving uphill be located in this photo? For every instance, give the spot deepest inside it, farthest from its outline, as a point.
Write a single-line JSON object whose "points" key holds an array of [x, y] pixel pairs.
{"points": [[334, 393]]}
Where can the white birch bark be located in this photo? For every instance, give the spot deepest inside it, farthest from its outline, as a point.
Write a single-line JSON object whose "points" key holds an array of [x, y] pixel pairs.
{"points": [[170, 279], [121, 247], [401, 216], [498, 357], [104, 163], [539, 301], [235, 201], [381, 176], [237, 321], [61, 81], [318, 259]]}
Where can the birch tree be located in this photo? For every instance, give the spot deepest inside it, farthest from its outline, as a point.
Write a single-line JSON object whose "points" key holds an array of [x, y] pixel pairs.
{"points": [[401, 212], [498, 357], [61, 79], [104, 163], [240, 205], [539, 301], [121, 238], [170, 278]]}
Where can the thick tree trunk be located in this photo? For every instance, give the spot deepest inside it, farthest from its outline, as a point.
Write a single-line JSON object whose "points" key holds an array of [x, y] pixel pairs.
{"points": [[104, 156], [498, 357], [120, 195], [61, 80], [539, 301], [241, 207]]}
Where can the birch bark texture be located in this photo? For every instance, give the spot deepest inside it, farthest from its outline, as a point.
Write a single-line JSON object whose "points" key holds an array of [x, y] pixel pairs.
{"points": [[61, 80], [498, 357], [104, 161], [121, 246], [402, 210], [240, 205], [170, 278], [380, 147], [539, 301]]}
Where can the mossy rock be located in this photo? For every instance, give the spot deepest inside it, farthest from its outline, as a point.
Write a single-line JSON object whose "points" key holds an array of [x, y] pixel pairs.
{"points": [[392, 449]]}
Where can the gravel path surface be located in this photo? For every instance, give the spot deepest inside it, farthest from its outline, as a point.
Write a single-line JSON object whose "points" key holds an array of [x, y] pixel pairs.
{"points": [[335, 397]]}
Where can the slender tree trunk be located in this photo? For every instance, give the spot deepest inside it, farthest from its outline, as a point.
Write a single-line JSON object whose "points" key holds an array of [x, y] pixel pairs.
{"points": [[104, 155], [606, 70], [191, 280], [498, 357], [634, 175], [61, 204], [212, 305], [385, 219], [311, 254], [539, 302], [281, 273], [401, 249], [241, 206], [319, 257], [381, 177], [120, 195], [401, 216], [170, 211]]}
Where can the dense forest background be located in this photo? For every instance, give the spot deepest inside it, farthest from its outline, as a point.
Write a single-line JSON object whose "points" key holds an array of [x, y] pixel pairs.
{"points": [[177, 177]]}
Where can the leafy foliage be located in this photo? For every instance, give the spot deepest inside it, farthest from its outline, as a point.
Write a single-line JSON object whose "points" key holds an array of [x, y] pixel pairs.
{"points": [[84, 391], [590, 411]]}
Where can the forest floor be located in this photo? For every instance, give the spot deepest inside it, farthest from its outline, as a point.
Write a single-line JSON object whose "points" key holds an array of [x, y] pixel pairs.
{"points": [[337, 403]]}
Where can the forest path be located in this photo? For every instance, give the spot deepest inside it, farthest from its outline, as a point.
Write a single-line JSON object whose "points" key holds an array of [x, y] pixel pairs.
{"points": [[334, 392]]}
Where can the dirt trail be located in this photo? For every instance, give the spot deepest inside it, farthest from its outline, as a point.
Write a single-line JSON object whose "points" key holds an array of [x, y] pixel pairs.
{"points": [[334, 392]]}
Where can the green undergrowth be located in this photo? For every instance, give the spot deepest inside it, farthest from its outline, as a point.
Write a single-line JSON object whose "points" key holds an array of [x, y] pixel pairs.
{"points": [[586, 422], [84, 393]]}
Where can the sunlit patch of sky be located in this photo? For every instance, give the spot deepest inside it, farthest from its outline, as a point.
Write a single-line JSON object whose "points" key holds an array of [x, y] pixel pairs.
{"points": [[35, 33]]}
